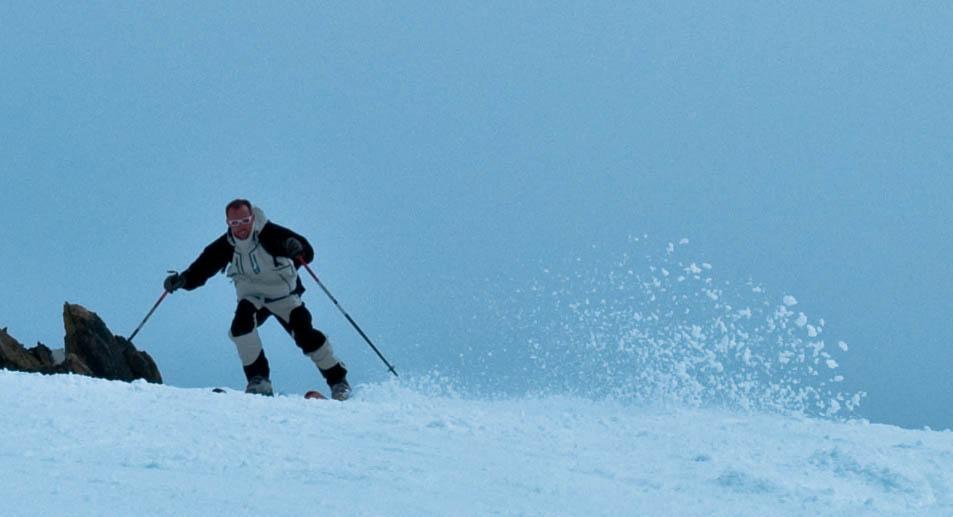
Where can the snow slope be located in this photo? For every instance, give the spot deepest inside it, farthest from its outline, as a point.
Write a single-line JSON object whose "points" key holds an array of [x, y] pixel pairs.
{"points": [[79, 446]]}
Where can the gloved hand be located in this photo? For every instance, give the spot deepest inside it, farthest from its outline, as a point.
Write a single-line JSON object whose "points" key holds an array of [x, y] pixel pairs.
{"points": [[174, 281], [294, 248]]}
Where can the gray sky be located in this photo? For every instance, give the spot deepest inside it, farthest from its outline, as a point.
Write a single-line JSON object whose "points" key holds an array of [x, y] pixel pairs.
{"points": [[435, 153]]}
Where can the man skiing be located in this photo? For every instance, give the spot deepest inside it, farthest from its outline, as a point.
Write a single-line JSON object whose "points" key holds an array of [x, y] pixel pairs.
{"points": [[262, 258]]}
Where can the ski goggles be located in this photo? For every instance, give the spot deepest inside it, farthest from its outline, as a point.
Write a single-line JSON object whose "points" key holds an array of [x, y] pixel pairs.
{"points": [[239, 222]]}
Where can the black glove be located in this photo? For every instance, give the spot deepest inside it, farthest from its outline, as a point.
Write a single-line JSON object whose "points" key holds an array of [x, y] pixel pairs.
{"points": [[173, 282], [294, 248]]}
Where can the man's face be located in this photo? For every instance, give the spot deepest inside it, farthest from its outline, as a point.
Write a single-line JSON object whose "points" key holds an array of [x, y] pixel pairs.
{"points": [[240, 222]]}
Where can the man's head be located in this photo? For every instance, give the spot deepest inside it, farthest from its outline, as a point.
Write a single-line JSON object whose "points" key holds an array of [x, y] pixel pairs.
{"points": [[240, 218]]}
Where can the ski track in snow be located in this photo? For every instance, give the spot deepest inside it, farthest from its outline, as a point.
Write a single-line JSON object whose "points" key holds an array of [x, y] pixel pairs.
{"points": [[91, 447]]}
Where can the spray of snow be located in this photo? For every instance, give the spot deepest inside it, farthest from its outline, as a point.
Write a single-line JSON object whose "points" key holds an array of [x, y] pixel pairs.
{"points": [[659, 327]]}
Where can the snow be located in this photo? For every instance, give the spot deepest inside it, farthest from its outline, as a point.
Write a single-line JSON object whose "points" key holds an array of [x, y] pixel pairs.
{"points": [[110, 448], [620, 389], [801, 320]]}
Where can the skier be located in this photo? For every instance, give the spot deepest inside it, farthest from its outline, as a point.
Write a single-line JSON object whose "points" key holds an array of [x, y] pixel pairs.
{"points": [[262, 258]]}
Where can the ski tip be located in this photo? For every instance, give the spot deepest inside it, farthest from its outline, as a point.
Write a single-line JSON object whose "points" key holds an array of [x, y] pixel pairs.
{"points": [[314, 395]]}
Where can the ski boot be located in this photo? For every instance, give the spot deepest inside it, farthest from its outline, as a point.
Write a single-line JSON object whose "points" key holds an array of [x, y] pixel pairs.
{"points": [[341, 390], [259, 385]]}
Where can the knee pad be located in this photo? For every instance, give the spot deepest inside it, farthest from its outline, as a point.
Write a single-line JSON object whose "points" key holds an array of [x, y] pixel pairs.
{"points": [[311, 340], [245, 320], [307, 338]]}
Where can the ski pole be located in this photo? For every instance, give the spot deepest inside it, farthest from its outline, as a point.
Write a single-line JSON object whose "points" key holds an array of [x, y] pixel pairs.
{"points": [[348, 316], [154, 307]]}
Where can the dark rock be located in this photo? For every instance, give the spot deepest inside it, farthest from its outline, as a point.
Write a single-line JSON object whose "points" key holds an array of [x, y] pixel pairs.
{"points": [[73, 364], [44, 355], [105, 355], [141, 363], [91, 349], [14, 356]]}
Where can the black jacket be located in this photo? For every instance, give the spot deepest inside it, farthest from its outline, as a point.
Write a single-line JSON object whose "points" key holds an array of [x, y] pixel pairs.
{"points": [[217, 255]]}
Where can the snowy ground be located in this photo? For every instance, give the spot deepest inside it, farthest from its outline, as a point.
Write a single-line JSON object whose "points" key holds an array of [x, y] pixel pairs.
{"points": [[77, 446]]}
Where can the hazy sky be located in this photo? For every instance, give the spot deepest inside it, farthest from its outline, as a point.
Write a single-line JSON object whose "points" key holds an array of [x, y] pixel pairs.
{"points": [[431, 151]]}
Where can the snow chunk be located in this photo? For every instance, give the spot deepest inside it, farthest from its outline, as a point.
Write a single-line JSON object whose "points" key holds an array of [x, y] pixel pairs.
{"points": [[842, 345], [790, 301], [811, 331], [801, 320], [835, 407], [832, 364]]}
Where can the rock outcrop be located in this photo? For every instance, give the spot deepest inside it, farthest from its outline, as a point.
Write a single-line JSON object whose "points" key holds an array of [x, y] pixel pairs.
{"points": [[91, 349], [15, 356]]}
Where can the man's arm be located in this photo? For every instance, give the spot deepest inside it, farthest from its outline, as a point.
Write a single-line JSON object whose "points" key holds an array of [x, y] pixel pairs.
{"points": [[214, 258], [274, 238]]}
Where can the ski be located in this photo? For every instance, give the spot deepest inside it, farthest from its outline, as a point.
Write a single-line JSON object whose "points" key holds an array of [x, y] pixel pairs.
{"points": [[311, 394]]}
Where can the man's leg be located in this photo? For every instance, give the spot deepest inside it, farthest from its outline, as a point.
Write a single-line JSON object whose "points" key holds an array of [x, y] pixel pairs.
{"points": [[244, 333], [296, 319]]}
